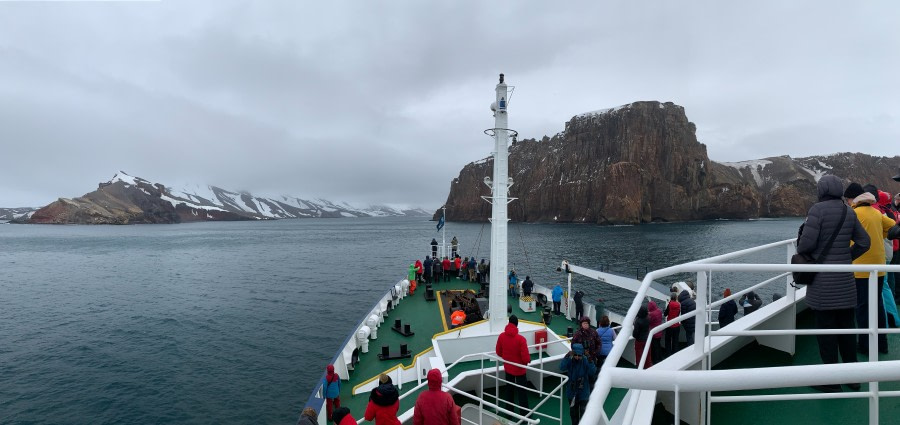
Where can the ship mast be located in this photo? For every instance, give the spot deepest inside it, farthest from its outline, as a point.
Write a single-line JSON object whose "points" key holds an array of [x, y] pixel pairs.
{"points": [[499, 199]]}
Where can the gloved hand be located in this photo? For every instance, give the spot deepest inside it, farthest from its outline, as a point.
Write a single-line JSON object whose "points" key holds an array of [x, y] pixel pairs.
{"points": [[894, 232]]}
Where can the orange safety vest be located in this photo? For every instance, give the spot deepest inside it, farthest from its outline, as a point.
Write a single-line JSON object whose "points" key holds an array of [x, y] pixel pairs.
{"points": [[458, 318]]}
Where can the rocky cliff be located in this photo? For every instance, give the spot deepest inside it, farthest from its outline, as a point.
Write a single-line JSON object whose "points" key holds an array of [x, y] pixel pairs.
{"points": [[642, 163], [132, 200]]}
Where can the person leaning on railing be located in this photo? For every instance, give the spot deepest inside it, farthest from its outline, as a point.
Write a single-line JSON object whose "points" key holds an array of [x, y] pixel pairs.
{"points": [[672, 311], [641, 332], [727, 311], [607, 335], [832, 296], [877, 226]]}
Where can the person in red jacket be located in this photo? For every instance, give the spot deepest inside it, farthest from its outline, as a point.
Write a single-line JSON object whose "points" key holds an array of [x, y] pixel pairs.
{"points": [[419, 271], [434, 406], [446, 265], [673, 310], [384, 402], [342, 416], [511, 347]]}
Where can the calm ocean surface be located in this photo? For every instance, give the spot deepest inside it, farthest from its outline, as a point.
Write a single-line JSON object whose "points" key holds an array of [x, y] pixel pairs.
{"points": [[234, 322]]}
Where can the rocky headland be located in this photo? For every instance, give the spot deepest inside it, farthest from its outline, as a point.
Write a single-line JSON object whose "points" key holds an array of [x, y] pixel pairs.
{"points": [[642, 163]]}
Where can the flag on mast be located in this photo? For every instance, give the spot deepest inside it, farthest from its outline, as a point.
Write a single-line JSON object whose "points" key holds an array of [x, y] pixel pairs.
{"points": [[440, 223]]}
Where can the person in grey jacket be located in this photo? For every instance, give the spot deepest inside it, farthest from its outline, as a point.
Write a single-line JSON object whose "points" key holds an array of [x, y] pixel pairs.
{"points": [[832, 296]]}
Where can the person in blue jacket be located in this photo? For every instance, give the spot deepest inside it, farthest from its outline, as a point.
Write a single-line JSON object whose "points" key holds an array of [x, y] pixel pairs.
{"points": [[513, 290], [331, 386], [578, 388], [557, 298]]}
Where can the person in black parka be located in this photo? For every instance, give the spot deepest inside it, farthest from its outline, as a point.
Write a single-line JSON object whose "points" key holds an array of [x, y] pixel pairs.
{"points": [[751, 302], [832, 296], [688, 305], [527, 286], [727, 311]]}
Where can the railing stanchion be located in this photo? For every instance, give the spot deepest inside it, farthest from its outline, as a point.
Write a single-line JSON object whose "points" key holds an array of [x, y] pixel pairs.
{"points": [[481, 392], [790, 290], [872, 295], [702, 302], [677, 405]]}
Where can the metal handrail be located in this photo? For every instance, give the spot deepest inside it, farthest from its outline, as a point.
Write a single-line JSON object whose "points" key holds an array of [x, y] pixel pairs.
{"points": [[595, 413], [499, 361], [666, 324]]}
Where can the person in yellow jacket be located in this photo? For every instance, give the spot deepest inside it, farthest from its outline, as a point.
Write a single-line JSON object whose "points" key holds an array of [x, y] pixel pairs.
{"points": [[876, 225]]}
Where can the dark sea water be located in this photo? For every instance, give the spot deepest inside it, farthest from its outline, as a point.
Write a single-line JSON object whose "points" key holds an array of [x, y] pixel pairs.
{"points": [[234, 322]]}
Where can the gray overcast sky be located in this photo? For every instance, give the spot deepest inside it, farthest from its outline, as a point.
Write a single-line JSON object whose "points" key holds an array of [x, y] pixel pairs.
{"points": [[384, 102]]}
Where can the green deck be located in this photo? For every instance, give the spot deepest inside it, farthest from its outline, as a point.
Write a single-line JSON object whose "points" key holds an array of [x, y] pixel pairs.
{"points": [[425, 320], [846, 411]]}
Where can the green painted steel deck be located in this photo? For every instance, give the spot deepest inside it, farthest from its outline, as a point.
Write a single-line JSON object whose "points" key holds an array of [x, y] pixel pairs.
{"points": [[844, 411], [425, 320]]}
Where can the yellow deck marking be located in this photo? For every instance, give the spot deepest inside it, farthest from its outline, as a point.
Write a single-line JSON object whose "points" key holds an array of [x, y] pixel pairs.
{"points": [[392, 368]]}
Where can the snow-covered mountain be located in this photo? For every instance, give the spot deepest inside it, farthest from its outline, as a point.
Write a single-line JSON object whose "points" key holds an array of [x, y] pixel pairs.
{"points": [[127, 199], [200, 196], [14, 213]]}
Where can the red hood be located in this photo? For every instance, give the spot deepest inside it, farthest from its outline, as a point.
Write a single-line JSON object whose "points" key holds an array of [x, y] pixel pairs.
{"points": [[434, 380], [884, 198], [511, 329], [330, 376]]}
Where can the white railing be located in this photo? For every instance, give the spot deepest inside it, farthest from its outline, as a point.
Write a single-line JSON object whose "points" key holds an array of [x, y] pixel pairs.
{"points": [[483, 371], [705, 380]]}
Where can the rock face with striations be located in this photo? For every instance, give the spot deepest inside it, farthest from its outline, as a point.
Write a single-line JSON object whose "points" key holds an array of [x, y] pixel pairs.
{"points": [[642, 163]]}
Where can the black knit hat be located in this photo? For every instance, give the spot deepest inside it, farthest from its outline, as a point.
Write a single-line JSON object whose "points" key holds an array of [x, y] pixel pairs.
{"points": [[871, 188], [897, 177], [514, 320], [339, 413], [853, 190]]}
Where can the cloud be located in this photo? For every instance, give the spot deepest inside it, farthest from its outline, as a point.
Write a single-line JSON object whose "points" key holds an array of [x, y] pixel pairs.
{"points": [[387, 102]]}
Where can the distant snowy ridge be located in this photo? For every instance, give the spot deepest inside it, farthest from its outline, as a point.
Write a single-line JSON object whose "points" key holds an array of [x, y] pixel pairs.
{"points": [[7, 214], [755, 167], [212, 198]]}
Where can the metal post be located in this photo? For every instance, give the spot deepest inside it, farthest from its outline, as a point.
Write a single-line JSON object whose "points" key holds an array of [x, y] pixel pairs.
{"points": [[569, 292], [702, 289], [677, 405], [499, 209], [444, 234], [481, 391], [873, 342], [790, 290]]}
